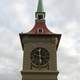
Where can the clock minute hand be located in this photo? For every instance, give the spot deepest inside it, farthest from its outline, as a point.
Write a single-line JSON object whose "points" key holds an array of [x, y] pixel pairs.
{"points": [[40, 56]]}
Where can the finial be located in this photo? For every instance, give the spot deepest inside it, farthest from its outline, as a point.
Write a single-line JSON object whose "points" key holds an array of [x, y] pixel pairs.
{"points": [[40, 6]]}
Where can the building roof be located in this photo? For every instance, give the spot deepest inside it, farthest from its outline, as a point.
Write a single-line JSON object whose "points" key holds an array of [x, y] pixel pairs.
{"points": [[40, 26]]}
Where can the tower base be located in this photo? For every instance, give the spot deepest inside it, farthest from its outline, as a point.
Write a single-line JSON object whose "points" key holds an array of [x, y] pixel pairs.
{"points": [[39, 75]]}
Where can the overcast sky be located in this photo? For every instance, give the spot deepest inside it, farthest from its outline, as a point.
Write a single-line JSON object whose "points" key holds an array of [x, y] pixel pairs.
{"points": [[62, 16]]}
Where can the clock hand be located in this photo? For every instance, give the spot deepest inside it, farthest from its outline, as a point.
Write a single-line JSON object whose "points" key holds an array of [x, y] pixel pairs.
{"points": [[40, 56]]}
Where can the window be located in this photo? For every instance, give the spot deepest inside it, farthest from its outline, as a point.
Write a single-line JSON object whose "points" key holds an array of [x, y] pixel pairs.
{"points": [[40, 16], [40, 30]]}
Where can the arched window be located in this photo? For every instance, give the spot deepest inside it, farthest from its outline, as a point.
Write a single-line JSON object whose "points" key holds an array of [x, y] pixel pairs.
{"points": [[40, 30]]}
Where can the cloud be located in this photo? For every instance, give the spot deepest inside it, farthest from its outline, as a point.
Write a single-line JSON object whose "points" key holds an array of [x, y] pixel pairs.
{"points": [[68, 54], [9, 41], [62, 16]]}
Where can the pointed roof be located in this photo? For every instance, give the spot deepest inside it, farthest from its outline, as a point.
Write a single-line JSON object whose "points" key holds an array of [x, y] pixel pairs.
{"points": [[40, 6], [40, 24]]}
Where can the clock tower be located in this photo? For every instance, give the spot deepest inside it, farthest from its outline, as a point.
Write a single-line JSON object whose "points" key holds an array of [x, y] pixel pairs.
{"points": [[39, 50]]}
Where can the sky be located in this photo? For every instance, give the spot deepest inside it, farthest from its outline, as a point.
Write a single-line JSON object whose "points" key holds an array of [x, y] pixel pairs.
{"points": [[62, 16]]}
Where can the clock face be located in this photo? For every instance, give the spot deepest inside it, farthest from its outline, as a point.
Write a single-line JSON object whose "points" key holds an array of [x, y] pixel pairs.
{"points": [[39, 56]]}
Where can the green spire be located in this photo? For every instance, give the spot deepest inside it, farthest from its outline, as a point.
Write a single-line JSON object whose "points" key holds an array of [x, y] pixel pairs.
{"points": [[40, 6]]}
